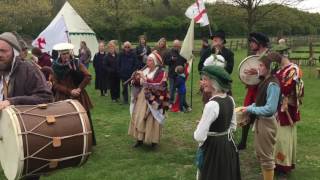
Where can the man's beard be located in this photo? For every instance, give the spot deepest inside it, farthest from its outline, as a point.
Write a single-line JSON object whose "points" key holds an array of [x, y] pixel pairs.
{"points": [[5, 67]]}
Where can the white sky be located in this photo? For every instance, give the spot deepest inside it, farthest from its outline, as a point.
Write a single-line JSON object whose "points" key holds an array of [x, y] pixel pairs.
{"points": [[310, 5], [306, 5]]}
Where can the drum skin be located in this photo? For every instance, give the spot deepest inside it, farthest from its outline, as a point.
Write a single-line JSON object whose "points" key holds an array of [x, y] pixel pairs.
{"points": [[71, 126], [250, 62]]}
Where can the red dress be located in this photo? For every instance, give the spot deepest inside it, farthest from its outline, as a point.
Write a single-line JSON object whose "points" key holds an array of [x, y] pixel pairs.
{"points": [[288, 78], [291, 87]]}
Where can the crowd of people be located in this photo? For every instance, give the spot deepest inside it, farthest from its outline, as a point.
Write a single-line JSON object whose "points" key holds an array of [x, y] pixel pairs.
{"points": [[113, 68], [272, 106]]}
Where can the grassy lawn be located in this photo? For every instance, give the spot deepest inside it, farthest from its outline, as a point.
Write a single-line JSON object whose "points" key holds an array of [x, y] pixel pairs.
{"points": [[115, 159]]}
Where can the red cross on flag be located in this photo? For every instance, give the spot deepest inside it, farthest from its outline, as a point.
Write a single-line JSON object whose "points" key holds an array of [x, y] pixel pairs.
{"points": [[198, 12]]}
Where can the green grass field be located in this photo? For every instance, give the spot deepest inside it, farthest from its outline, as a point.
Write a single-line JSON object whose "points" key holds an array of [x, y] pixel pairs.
{"points": [[115, 159]]}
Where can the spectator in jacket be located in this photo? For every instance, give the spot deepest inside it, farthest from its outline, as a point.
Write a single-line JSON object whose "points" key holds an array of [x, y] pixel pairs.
{"points": [[174, 60], [127, 65], [142, 50]]}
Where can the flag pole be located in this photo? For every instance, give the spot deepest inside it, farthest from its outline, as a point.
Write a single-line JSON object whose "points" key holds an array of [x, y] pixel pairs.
{"points": [[191, 86], [210, 30]]}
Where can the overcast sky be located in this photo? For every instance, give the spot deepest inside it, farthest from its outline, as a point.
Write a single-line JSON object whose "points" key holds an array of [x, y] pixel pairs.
{"points": [[310, 5], [306, 5]]}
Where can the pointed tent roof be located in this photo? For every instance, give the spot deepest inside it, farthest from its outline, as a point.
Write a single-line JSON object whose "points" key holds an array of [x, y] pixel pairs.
{"points": [[75, 24]]}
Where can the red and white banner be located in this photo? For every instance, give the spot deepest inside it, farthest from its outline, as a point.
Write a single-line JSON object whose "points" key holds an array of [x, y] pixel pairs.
{"points": [[198, 12], [55, 33]]}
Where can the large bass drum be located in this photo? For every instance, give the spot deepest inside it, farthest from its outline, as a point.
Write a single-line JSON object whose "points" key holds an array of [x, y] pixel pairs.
{"points": [[37, 139], [248, 70]]}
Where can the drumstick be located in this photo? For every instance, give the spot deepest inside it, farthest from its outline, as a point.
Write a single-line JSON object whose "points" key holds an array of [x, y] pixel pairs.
{"points": [[284, 108]]}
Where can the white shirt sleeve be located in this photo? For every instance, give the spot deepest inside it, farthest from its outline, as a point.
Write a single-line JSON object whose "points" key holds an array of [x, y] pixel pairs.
{"points": [[209, 115], [233, 125]]}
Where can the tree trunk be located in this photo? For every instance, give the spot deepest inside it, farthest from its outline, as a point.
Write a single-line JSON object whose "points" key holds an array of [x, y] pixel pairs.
{"points": [[250, 24], [166, 3]]}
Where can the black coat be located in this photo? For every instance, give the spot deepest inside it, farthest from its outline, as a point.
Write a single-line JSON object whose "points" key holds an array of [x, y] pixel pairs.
{"points": [[173, 60], [229, 58], [112, 65], [99, 65], [204, 54], [128, 63], [140, 53]]}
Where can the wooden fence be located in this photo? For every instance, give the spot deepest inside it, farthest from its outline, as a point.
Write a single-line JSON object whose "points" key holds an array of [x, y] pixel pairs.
{"points": [[304, 56]]}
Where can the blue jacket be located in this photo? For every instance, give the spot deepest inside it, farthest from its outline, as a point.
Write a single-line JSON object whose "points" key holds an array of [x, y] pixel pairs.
{"points": [[180, 84], [127, 64], [270, 108]]}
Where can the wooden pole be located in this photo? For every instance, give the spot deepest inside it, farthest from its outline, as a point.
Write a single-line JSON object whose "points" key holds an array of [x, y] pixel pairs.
{"points": [[230, 45], [237, 44], [191, 86], [210, 31]]}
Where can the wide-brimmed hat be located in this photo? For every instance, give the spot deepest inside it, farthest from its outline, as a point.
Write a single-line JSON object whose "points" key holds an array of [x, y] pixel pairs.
{"points": [[221, 34], [281, 47], [219, 74], [63, 47], [259, 38]]}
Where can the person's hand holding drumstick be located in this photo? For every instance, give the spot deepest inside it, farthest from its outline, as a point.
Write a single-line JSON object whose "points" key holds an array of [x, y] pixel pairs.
{"points": [[251, 71], [75, 92]]}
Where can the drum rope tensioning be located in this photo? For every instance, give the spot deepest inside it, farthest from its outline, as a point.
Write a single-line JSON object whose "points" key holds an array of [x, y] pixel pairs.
{"points": [[56, 141], [46, 137]]}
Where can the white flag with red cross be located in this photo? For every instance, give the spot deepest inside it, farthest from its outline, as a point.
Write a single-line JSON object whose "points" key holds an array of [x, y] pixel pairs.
{"points": [[55, 33], [198, 12]]}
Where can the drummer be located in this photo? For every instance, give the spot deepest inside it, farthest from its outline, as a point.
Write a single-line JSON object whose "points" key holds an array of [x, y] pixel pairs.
{"points": [[70, 79], [27, 84], [258, 43]]}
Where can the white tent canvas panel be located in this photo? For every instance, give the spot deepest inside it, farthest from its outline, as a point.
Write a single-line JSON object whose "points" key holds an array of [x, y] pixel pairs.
{"points": [[90, 40]]}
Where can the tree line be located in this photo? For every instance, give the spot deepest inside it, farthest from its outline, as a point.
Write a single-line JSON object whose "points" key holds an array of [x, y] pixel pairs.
{"points": [[127, 19]]}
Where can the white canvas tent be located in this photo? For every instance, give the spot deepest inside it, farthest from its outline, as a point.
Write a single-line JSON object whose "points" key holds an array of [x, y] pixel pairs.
{"points": [[76, 30]]}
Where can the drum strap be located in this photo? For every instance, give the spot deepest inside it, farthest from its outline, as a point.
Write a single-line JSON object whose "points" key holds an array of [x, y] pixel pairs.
{"points": [[5, 87]]}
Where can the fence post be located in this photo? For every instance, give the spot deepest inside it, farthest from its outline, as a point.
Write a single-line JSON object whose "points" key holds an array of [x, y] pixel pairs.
{"points": [[311, 54], [230, 45], [237, 44]]}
